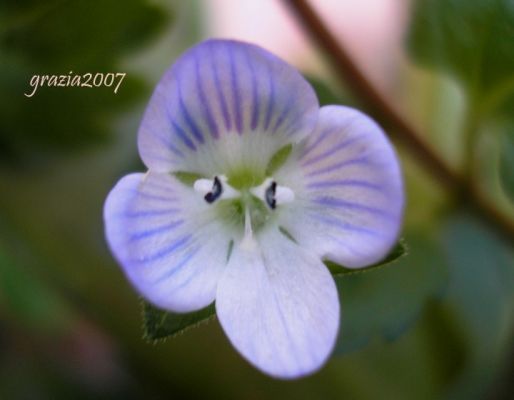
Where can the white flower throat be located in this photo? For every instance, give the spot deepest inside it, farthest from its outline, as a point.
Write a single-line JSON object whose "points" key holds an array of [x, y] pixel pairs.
{"points": [[254, 205]]}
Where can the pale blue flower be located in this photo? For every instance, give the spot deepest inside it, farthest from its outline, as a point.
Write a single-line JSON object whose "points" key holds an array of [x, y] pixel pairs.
{"points": [[250, 233]]}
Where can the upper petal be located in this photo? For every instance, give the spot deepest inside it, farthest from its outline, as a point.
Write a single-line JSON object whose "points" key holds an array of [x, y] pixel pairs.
{"points": [[223, 105], [348, 187], [167, 240], [279, 307]]}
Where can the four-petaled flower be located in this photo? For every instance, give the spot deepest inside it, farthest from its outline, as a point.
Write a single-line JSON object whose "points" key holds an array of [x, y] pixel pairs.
{"points": [[250, 186]]}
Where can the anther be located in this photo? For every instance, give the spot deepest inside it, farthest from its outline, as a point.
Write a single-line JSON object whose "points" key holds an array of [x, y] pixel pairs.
{"points": [[215, 189], [270, 195], [273, 194]]}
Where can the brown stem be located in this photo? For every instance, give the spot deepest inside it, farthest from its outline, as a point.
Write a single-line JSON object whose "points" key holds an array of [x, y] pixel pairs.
{"points": [[348, 72]]}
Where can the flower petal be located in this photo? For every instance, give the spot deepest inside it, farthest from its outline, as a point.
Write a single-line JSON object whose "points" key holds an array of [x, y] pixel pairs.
{"points": [[167, 239], [348, 188], [279, 306], [225, 104]]}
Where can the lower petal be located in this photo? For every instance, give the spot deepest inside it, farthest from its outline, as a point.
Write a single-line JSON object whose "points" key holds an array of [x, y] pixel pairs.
{"points": [[166, 239], [279, 307]]}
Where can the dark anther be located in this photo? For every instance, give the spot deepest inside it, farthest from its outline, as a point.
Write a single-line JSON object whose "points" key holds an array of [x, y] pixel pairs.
{"points": [[270, 195], [216, 191]]}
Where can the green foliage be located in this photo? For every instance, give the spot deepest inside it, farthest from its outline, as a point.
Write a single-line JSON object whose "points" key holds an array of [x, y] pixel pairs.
{"points": [[471, 39], [385, 302], [54, 38], [326, 94], [480, 298], [160, 324]]}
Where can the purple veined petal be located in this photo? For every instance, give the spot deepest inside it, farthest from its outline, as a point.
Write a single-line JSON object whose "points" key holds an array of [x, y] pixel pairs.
{"points": [[218, 90], [279, 306], [348, 187], [166, 239]]}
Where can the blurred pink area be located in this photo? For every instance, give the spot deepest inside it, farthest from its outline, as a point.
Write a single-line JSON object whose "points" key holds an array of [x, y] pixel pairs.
{"points": [[372, 30]]}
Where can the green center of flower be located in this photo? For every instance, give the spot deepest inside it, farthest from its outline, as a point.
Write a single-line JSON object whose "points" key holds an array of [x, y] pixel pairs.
{"points": [[248, 207], [245, 178], [232, 211]]}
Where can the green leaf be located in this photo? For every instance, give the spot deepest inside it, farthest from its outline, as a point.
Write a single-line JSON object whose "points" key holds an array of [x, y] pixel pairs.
{"points": [[326, 94], [481, 300], [385, 303], [278, 159], [160, 324], [473, 40], [399, 250], [507, 163]]}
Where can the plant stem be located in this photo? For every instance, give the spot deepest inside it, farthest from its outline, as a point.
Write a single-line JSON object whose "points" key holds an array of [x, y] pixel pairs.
{"points": [[348, 72]]}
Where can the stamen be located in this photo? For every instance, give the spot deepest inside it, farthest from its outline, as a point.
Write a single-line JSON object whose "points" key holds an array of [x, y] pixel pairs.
{"points": [[212, 189], [270, 195], [273, 194], [283, 195], [203, 185], [215, 189]]}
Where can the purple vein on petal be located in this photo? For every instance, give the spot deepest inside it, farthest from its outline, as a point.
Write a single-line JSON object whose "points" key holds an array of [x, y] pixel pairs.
{"points": [[183, 135], [183, 262], [165, 141], [317, 142], [154, 231], [327, 132], [213, 127], [281, 315], [344, 183], [271, 101], [149, 213], [177, 267], [153, 196], [342, 164], [347, 226], [284, 113], [176, 245], [187, 117], [334, 149], [255, 93], [179, 131], [219, 92], [147, 184], [235, 93], [350, 205], [292, 127], [344, 243]]}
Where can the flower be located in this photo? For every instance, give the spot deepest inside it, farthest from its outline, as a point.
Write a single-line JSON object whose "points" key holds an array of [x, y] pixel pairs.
{"points": [[250, 186]]}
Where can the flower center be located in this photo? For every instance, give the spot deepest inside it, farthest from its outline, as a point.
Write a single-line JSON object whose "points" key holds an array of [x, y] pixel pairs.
{"points": [[247, 208]]}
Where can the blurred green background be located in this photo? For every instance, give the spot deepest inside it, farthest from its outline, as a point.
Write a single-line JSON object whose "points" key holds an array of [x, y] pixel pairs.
{"points": [[438, 324]]}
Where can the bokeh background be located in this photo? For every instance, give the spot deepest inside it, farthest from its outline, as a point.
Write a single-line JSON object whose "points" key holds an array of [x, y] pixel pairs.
{"points": [[438, 324]]}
